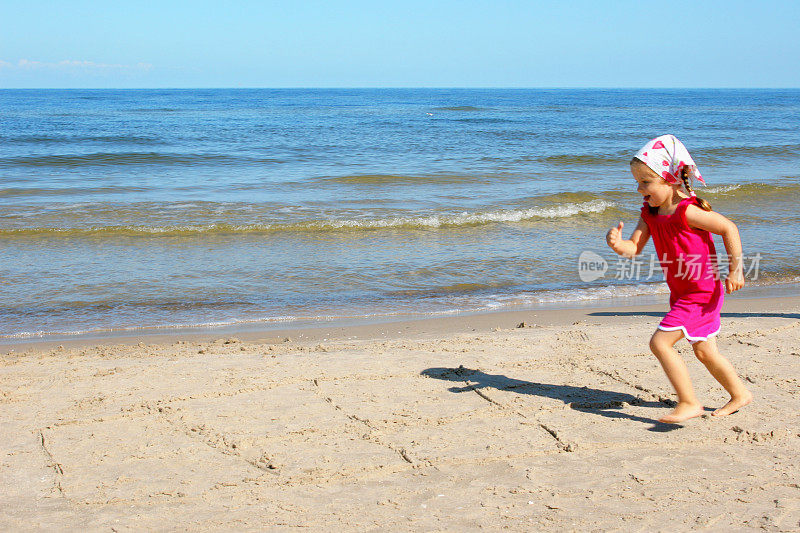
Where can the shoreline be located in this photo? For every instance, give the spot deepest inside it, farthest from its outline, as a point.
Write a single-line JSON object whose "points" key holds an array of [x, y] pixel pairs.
{"points": [[550, 314]]}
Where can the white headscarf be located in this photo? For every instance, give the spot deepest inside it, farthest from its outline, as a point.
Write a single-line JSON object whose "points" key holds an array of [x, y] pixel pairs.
{"points": [[666, 156]]}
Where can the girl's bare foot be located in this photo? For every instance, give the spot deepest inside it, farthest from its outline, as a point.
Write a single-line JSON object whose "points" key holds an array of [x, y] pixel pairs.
{"points": [[736, 403], [683, 411]]}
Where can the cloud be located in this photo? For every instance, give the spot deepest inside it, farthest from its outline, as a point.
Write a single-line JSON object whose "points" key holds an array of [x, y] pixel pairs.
{"points": [[72, 65]]}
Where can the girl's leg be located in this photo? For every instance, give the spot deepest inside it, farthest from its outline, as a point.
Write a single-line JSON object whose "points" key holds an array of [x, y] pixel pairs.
{"points": [[661, 343], [723, 371]]}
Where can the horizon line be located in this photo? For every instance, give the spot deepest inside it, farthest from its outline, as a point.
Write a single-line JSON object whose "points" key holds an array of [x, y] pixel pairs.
{"points": [[565, 87]]}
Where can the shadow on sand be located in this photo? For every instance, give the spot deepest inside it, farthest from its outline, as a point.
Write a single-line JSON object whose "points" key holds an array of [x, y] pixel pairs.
{"points": [[584, 399]]}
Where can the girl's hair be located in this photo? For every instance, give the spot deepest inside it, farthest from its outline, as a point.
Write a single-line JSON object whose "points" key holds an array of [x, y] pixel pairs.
{"points": [[703, 204]]}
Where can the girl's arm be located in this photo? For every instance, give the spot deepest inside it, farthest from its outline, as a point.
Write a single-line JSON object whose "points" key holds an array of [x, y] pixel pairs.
{"points": [[719, 225], [632, 246]]}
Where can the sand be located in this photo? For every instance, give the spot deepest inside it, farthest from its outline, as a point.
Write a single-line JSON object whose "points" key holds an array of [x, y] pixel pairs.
{"points": [[454, 424]]}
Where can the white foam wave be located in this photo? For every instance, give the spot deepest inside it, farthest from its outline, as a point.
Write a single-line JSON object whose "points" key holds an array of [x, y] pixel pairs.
{"points": [[431, 221], [602, 293], [719, 189], [575, 295], [191, 325], [459, 305], [465, 218]]}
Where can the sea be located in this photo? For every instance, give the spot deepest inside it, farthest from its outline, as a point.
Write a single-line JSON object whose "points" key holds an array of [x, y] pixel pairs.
{"points": [[136, 211]]}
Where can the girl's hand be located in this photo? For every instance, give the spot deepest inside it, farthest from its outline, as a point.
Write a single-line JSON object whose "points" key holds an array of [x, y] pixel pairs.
{"points": [[614, 237], [734, 281]]}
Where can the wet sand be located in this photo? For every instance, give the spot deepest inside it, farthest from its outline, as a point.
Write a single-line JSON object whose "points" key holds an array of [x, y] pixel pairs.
{"points": [[457, 423]]}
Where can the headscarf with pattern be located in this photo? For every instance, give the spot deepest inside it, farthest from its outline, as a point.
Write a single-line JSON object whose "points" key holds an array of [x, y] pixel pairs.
{"points": [[667, 156]]}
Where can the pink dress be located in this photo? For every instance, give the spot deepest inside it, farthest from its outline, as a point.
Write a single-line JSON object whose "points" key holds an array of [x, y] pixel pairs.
{"points": [[689, 261]]}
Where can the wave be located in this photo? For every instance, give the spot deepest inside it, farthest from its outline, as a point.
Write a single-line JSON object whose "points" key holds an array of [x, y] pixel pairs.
{"points": [[393, 179], [448, 301], [782, 151], [156, 110], [80, 139], [751, 191], [564, 160], [22, 335], [452, 303], [463, 219], [447, 290], [469, 304], [128, 158], [492, 296], [486, 120], [615, 159], [196, 216], [135, 158], [572, 295], [720, 189], [67, 191], [461, 108]]}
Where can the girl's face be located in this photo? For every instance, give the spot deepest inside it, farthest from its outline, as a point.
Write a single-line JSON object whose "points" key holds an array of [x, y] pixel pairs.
{"points": [[655, 189]]}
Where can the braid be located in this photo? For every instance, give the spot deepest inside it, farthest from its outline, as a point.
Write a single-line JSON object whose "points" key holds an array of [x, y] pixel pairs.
{"points": [[704, 205]]}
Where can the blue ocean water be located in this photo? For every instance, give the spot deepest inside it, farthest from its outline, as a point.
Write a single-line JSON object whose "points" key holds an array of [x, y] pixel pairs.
{"points": [[123, 210]]}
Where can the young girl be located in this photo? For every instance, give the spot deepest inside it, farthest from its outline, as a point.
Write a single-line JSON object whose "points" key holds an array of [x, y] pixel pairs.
{"points": [[681, 225]]}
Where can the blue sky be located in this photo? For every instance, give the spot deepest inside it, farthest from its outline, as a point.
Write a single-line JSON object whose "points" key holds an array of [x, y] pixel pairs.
{"points": [[389, 43]]}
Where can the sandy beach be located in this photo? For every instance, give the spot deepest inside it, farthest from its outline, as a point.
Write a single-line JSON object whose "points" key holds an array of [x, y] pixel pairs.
{"points": [[452, 424]]}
